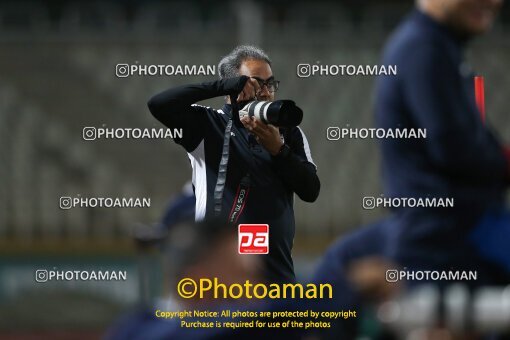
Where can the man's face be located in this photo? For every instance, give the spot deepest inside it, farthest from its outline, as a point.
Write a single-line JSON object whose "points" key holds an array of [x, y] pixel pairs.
{"points": [[261, 71], [469, 17]]}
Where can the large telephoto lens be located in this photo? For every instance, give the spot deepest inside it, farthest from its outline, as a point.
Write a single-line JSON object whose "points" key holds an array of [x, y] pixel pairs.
{"points": [[282, 113]]}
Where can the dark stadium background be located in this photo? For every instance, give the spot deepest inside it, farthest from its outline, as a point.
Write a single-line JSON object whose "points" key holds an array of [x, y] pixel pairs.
{"points": [[57, 75]]}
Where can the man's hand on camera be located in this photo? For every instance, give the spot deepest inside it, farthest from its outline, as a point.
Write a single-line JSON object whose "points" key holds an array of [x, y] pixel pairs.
{"points": [[249, 92], [267, 135]]}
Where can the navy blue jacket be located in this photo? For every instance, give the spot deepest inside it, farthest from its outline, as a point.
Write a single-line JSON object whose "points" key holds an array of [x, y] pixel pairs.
{"points": [[460, 158]]}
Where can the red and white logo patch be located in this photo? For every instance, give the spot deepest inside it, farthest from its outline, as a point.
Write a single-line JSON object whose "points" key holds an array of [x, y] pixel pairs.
{"points": [[253, 239]]}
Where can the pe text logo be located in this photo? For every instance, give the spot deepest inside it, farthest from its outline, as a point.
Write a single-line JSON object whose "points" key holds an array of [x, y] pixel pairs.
{"points": [[253, 239]]}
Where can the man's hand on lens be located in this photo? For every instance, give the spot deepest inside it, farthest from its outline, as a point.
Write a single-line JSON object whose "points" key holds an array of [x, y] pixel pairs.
{"points": [[249, 92], [266, 134]]}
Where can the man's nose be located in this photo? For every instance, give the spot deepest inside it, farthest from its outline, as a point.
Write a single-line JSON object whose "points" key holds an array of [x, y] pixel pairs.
{"points": [[264, 93]]}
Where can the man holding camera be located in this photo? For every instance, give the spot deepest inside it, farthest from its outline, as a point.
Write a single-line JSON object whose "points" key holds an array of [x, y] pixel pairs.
{"points": [[244, 170]]}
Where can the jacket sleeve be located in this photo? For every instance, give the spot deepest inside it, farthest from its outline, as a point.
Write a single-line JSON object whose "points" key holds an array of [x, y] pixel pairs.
{"points": [[457, 141], [174, 107], [297, 169]]}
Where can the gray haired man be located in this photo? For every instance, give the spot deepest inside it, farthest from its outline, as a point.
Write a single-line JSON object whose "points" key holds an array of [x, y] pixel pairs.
{"points": [[244, 171]]}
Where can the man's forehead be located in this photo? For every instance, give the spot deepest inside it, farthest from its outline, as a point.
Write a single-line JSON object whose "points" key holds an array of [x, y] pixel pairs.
{"points": [[257, 69]]}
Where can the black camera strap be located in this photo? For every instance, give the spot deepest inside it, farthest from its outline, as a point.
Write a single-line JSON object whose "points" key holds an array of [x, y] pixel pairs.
{"points": [[222, 170], [244, 186], [240, 199]]}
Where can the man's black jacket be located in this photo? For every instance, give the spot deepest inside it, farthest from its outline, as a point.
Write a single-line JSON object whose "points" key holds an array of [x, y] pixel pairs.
{"points": [[273, 180]]}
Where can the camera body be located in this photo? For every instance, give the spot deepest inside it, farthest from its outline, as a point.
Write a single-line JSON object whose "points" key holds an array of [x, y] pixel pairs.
{"points": [[281, 113]]}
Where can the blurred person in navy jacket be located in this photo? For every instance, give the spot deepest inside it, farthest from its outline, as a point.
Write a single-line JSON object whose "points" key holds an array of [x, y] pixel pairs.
{"points": [[461, 158]]}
